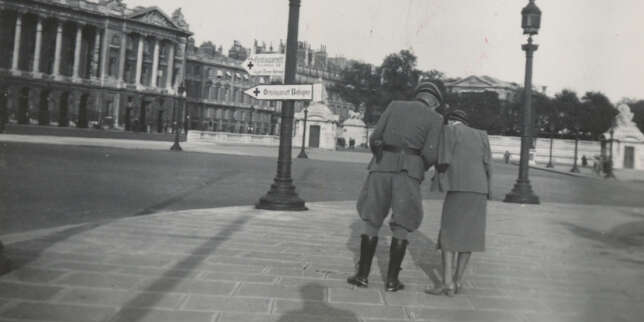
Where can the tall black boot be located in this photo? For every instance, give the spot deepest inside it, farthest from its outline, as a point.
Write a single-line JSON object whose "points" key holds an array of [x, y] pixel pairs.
{"points": [[367, 250], [396, 255]]}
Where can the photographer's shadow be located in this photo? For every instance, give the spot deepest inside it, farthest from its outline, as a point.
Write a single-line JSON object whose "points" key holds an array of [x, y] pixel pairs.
{"points": [[317, 310]]}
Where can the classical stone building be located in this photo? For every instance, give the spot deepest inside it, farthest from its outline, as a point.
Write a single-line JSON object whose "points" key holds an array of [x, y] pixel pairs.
{"points": [[81, 63], [473, 83], [507, 91], [315, 67], [216, 101]]}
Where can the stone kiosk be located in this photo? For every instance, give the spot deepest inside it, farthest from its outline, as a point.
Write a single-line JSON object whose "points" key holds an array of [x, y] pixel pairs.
{"points": [[321, 126], [627, 141]]}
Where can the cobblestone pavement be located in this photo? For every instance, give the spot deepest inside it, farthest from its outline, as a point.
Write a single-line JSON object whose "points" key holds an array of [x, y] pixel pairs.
{"points": [[551, 262]]}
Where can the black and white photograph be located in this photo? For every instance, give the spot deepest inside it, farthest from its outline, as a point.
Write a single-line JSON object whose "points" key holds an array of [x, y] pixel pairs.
{"points": [[321, 161]]}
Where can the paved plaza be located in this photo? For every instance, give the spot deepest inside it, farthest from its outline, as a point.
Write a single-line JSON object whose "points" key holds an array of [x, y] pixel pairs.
{"points": [[551, 262]]}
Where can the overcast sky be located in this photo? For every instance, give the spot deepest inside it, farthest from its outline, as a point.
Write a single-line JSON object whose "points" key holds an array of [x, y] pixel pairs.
{"points": [[584, 45]]}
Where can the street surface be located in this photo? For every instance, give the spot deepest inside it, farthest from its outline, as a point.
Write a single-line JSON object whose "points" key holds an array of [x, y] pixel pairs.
{"points": [[51, 185]]}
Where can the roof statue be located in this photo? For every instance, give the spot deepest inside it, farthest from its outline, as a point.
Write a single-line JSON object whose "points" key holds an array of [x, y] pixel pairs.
{"points": [[179, 19], [355, 115], [116, 5], [625, 116]]}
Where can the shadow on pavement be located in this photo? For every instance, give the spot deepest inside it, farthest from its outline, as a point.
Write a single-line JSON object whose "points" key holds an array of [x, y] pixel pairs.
{"points": [[623, 236], [424, 254], [317, 311], [167, 282], [22, 253]]}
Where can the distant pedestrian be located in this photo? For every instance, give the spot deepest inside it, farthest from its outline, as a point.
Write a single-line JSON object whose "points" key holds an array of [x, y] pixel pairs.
{"points": [[584, 161], [465, 156], [506, 156], [404, 143]]}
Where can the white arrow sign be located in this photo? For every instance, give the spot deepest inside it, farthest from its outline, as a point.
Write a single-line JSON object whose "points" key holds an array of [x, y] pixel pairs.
{"points": [[265, 65], [303, 92]]}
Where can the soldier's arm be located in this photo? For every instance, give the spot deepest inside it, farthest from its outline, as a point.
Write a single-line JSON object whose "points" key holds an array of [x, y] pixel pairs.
{"points": [[487, 160], [431, 147], [379, 129]]}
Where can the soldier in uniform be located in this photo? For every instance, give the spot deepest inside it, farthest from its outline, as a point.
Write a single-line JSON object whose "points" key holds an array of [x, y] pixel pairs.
{"points": [[404, 143]]}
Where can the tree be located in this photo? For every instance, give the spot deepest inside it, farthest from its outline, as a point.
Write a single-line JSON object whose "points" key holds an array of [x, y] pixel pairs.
{"points": [[374, 87], [598, 114], [483, 109], [568, 105], [399, 75]]}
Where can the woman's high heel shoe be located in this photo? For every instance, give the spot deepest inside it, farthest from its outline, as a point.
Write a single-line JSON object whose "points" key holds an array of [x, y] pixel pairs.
{"points": [[442, 290], [458, 287]]}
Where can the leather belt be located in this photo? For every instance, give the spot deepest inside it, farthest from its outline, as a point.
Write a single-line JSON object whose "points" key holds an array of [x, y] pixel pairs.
{"points": [[399, 149]]}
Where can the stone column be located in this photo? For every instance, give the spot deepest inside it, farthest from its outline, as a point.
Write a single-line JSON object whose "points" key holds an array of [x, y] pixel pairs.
{"points": [[77, 49], [59, 44], [155, 63], [16, 42], [170, 71], [104, 53], [36, 66], [96, 54], [122, 58], [139, 61]]}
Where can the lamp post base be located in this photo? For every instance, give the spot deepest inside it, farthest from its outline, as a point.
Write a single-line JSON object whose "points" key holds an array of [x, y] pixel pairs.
{"points": [[176, 147], [522, 193], [550, 165], [302, 155], [282, 196], [574, 169]]}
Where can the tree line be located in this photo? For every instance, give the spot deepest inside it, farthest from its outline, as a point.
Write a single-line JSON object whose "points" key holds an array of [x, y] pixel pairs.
{"points": [[565, 115]]}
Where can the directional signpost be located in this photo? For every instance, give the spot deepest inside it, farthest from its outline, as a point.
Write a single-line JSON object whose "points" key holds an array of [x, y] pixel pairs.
{"points": [[302, 92], [265, 65]]}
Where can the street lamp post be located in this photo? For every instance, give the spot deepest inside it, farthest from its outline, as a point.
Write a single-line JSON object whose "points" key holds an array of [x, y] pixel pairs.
{"points": [[575, 168], [522, 191], [251, 128], [609, 167], [552, 138], [176, 146], [302, 154], [282, 195]]}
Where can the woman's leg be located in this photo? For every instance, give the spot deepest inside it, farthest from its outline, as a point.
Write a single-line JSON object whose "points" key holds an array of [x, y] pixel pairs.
{"points": [[448, 259], [462, 259], [447, 288]]}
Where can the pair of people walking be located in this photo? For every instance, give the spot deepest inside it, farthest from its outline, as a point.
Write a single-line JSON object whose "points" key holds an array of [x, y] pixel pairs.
{"points": [[409, 138]]}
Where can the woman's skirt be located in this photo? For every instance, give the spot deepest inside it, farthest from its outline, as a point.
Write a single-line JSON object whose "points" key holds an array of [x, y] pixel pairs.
{"points": [[463, 222]]}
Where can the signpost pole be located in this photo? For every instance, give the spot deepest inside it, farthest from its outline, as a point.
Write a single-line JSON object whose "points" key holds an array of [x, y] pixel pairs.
{"points": [[282, 195]]}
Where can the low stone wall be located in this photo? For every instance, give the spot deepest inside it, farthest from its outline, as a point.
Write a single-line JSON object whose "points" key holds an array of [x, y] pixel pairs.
{"points": [[563, 151], [233, 138]]}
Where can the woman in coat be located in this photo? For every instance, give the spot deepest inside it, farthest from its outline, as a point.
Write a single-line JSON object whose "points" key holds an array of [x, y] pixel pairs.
{"points": [[465, 159]]}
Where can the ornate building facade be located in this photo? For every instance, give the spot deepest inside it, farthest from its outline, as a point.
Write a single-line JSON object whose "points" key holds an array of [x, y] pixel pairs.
{"points": [[98, 63], [216, 101], [81, 63]]}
